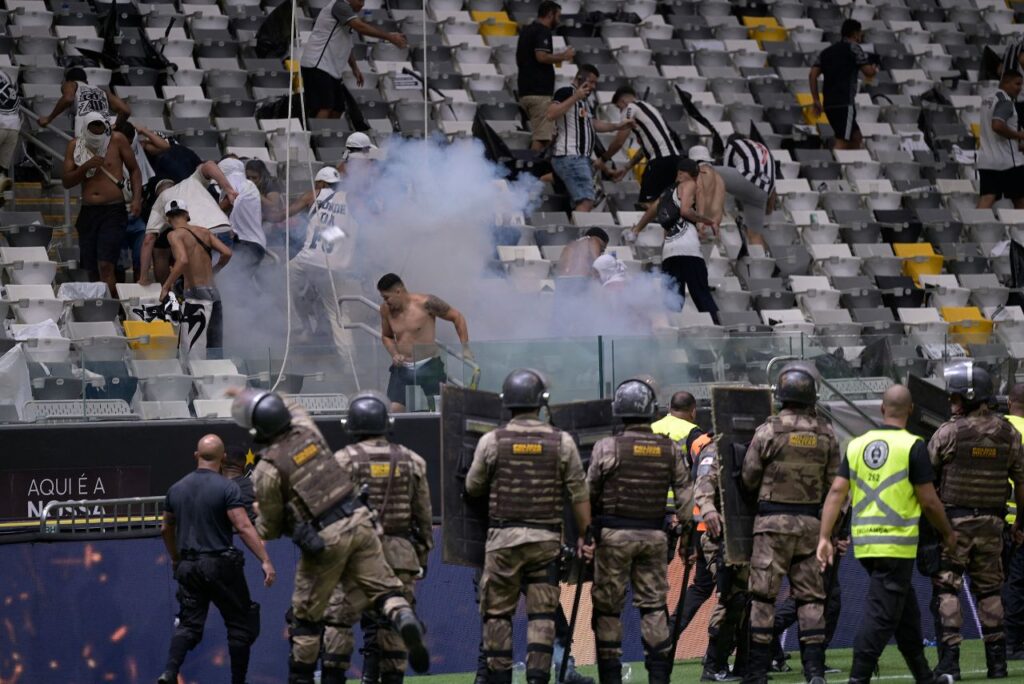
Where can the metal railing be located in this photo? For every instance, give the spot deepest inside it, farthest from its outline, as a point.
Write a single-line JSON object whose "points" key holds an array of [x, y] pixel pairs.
{"points": [[57, 156], [106, 518]]}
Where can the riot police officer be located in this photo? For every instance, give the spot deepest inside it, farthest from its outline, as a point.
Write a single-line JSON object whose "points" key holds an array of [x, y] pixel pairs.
{"points": [[888, 470], [305, 493], [396, 481], [790, 463], [973, 455], [524, 468], [1013, 551], [729, 619], [629, 478]]}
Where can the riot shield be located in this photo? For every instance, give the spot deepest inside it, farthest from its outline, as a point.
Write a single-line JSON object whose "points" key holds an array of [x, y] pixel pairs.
{"points": [[587, 422], [736, 413], [466, 415], [931, 407]]}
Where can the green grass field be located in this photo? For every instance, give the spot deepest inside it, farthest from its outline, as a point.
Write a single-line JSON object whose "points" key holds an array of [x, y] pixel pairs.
{"points": [[892, 668]]}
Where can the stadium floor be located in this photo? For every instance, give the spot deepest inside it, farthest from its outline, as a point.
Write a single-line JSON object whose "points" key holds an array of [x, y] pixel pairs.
{"points": [[892, 668]]}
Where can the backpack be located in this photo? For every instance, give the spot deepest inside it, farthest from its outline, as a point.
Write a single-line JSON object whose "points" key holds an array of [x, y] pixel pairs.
{"points": [[668, 211]]}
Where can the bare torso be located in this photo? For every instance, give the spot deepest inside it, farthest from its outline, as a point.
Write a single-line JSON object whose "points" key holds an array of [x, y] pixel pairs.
{"points": [[414, 328], [199, 271], [577, 257], [100, 189], [710, 193]]}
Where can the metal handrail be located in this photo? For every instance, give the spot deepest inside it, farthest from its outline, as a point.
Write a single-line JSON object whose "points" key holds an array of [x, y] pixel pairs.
{"points": [[28, 137], [377, 333], [103, 522], [374, 332], [842, 397]]}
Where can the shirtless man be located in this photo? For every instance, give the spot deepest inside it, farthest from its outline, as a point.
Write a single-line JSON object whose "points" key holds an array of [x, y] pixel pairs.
{"points": [[710, 194], [408, 328], [192, 248], [96, 160], [577, 259]]}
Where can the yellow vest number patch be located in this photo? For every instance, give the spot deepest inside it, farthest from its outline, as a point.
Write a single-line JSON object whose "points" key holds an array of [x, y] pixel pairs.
{"points": [[527, 448]]}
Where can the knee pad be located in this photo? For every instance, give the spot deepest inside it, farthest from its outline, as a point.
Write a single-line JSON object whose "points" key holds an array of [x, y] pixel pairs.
{"points": [[297, 627], [549, 574]]}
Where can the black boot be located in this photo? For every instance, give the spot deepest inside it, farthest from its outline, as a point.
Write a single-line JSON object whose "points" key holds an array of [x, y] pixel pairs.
{"points": [[481, 666], [371, 665], [408, 625], [168, 677], [239, 662], [813, 656], [659, 668], [609, 671], [332, 675], [716, 666], [499, 677], [861, 670], [392, 677], [995, 659], [758, 662], [300, 673], [949, 661]]}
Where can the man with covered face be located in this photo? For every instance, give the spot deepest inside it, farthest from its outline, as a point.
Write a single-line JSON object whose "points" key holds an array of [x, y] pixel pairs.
{"points": [[97, 160]]}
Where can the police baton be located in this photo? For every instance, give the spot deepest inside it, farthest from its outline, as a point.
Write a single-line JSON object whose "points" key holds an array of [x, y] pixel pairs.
{"points": [[581, 564], [677, 622]]}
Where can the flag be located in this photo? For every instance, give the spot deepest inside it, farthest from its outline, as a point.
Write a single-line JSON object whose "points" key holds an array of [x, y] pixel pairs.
{"points": [[717, 147], [274, 35]]}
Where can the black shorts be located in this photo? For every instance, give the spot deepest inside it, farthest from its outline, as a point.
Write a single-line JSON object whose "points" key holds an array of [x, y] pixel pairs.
{"points": [[429, 377], [101, 229], [322, 90], [659, 175], [1008, 183], [843, 120]]}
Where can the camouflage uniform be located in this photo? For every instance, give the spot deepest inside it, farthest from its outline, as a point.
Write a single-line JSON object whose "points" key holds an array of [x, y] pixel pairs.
{"points": [[524, 467], [352, 553], [791, 463], [629, 478], [401, 497], [729, 617], [973, 456]]}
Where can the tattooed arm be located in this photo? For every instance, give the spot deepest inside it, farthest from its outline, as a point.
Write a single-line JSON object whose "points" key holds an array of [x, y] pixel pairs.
{"points": [[438, 308]]}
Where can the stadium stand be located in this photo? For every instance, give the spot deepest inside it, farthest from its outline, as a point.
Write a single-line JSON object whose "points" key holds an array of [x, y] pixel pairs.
{"points": [[879, 241]]}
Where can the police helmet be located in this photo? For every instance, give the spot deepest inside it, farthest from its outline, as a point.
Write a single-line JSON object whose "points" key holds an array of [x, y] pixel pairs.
{"points": [[368, 415], [972, 383], [261, 411], [635, 398], [796, 385], [524, 388]]}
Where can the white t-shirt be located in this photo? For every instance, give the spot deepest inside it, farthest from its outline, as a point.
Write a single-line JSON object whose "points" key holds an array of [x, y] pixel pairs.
{"points": [[203, 210], [330, 42], [10, 115], [247, 211], [330, 209], [89, 98], [685, 241], [997, 153]]}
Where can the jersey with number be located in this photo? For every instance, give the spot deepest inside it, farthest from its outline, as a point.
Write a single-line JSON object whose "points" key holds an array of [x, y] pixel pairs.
{"points": [[330, 209]]}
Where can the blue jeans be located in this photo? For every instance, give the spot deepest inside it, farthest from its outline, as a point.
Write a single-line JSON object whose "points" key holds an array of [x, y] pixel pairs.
{"points": [[578, 176]]}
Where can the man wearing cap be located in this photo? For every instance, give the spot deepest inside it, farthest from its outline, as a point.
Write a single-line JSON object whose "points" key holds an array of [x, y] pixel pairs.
{"points": [[192, 249], [358, 146], [203, 208], [97, 160], [328, 50], [246, 215], [326, 250]]}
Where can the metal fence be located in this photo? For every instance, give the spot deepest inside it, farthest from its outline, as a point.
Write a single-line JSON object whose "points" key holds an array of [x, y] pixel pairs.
{"points": [[102, 518]]}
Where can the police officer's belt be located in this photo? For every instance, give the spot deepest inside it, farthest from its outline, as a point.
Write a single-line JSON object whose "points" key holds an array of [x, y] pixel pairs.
{"points": [[618, 522], [341, 510], [964, 512], [196, 555], [506, 524], [771, 508]]}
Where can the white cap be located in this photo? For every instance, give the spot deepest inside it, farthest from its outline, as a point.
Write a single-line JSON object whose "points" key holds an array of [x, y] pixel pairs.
{"points": [[328, 175], [359, 141], [699, 153], [93, 117], [175, 205]]}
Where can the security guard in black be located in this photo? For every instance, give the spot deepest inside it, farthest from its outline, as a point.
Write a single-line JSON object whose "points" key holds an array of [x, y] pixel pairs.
{"points": [[202, 511]]}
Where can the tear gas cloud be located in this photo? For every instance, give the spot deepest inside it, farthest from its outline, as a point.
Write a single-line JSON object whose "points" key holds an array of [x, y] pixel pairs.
{"points": [[427, 211]]}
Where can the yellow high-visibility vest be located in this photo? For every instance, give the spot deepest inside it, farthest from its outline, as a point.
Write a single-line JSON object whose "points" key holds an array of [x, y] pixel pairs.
{"points": [[886, 511], [1011, 505]]}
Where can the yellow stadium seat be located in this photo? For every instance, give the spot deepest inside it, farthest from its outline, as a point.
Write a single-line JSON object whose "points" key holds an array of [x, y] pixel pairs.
{"points": [[918, 259], [495, 23], [751, 22], [967, 325], [153, 340], [768, 34], [806, 104], [638, 170]]}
